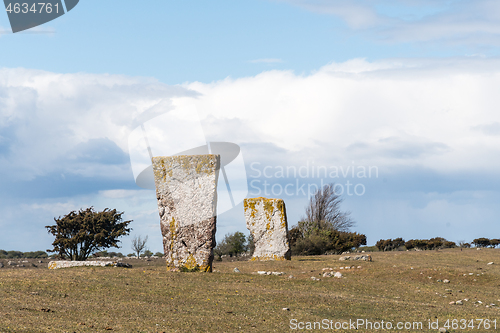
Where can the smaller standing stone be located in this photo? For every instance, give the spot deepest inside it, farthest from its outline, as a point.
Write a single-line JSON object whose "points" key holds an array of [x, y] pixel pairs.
{"points": [[266, 220]]}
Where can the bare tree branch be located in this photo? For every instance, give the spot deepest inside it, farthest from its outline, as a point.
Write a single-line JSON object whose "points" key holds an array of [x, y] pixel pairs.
{"points": [[139, 245], [323, 211]]}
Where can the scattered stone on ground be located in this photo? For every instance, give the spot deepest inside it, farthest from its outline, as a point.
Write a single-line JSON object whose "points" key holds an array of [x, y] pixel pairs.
{"points": [[446, 281], [315, 278], [186, 191], [270, 273], [459, 302], [327, 274], [67, 264], [490, 263], [338, 275], [266, 220], [291, 276], [363, 257], [443, 330], [236, 270], [286, 309], [11, 263]]}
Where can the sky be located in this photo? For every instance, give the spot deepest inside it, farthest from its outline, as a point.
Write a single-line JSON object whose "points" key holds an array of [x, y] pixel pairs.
{"points": [[395, 102]]}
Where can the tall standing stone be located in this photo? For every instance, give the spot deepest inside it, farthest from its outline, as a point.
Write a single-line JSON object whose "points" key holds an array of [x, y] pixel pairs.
{"points": [[266, 220], [186, 189]]}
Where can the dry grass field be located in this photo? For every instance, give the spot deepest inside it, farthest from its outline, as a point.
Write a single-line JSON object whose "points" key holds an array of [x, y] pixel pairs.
{"points": [[395, 287]]}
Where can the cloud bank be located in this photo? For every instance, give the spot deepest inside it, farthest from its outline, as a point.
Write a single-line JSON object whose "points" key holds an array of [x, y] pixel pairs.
{"points": [[429, 126]]}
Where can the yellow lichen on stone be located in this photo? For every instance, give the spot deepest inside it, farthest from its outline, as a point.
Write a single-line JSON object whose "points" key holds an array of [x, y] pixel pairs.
{"points": [[173, 236], [250, 204], [206, 268], [191, 263], [52, 265]]}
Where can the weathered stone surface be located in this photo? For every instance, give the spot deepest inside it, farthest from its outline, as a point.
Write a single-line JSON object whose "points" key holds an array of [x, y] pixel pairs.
{"points": [[67, 264], [186, 189], [266, 220], [1, 264]]}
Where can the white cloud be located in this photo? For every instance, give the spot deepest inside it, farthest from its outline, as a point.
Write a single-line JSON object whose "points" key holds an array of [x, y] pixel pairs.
{"points": [[456, 22], [53, 121], [424, 107]]}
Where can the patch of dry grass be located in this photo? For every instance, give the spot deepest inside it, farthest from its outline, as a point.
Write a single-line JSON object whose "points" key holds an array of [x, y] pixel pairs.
{"points": [[147, 298]]}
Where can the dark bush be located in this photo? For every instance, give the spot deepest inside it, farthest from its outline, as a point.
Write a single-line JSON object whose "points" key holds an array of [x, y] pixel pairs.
{"points": [[321, 241], [390, 244], [494, 242], [481, 242]]}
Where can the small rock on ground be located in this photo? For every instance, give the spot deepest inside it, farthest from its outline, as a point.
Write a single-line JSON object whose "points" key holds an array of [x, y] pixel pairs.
{"points": [[236, 270]]}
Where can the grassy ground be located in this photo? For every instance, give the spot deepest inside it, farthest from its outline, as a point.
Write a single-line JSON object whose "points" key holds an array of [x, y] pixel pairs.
{"points": [[396, 286]]}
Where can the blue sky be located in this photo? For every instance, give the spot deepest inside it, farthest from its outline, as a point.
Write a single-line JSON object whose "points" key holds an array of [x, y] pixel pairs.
{"points": [[408, 87]]}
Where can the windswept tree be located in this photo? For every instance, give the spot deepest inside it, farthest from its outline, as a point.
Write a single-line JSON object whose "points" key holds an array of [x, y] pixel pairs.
{"points": [[139, 245], [323, 211], [79, 234], [324, 229]]}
